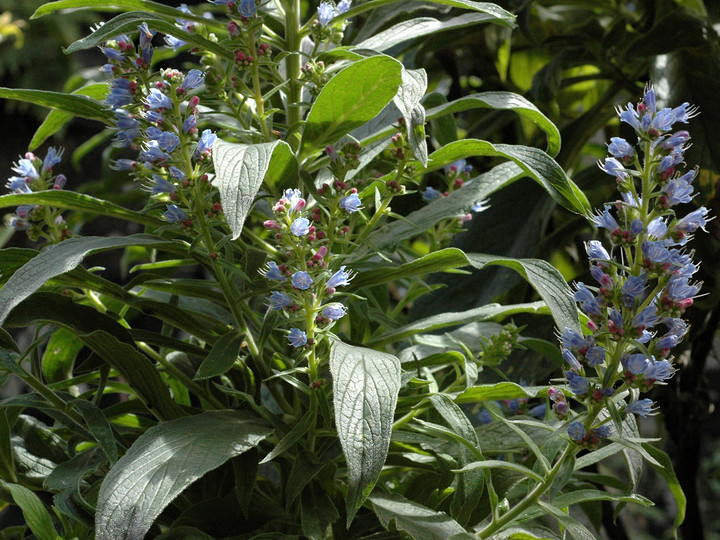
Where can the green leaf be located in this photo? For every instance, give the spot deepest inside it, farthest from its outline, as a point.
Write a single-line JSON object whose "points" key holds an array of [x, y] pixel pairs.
{"points": [[421, 523], [165, 460], [586, 495], [537, 165], [184, 532], [300, 428], [34, 511], [59, 356], [665, 469], [77, 201], [499, 391], [128, 22], [353, 96], [222, 356], [410, 94], [444, 320], [240, 170], [99, 427], [57, 260], [75, 104], [457, 203], [576, 529], [366, 384], [545, 279], [114, 5], [420, 27], [502, 101], [497, 464], [57, 119]]}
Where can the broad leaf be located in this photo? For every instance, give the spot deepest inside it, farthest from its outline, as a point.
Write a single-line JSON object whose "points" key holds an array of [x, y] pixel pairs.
{"points": [[366, 384], [497, 392], [57, 260], [421, 523], [75, 104], [353, 96], [59, 355], [165, 460], [240, 170], [99, 426], [411, 92]]}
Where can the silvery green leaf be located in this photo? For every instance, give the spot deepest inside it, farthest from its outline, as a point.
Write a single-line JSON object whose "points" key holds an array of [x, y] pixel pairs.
{"points": [[410, 94], [419, 522]]}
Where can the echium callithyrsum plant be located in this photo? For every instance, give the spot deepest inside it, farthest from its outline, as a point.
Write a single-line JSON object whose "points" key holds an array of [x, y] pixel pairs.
{"points": [[644, 280]]}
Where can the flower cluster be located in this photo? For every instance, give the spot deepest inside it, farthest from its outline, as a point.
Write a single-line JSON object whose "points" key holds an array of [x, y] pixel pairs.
{"points": [[157, 114], [644, 282], [324, 27], [35, 174], [304, 284]]}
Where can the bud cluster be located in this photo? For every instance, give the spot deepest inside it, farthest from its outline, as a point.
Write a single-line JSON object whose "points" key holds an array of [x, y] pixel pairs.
{"points": [[644, 283]]}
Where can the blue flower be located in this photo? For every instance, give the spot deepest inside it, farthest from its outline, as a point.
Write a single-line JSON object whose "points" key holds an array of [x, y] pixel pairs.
{"points": [[574, 340], [693, 221], [302, 280], [647, 318], [605, 220], [633, 287], [146, 35], [351, 203], [595, 356], [273, 272], [297, 338], [430, 194], [577, 383], [326, 13], [121, 93], [247, 8], [659, 371], [300, 227], [128, 129], [175, 214], [153, 153], [656, 252], [343, 6], [168, 141], [480, 206], [161, 186], [189, 124], [339, 278], [679, 289], [603, 431], [635, 363], [175, 43], [613, 167], [596, 251], [26, 168], [279, 300], [588, 302], [193, 79], [571, 360], [18, 223], [642, 407], [576, 431], [630, 116], [334, 311], [112, 54], [157, 100], [205, 144], [620, 148], [668, 341]]}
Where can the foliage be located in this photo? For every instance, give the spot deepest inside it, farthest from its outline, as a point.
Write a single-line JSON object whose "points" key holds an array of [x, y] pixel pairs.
{"points": [[280, 359]]}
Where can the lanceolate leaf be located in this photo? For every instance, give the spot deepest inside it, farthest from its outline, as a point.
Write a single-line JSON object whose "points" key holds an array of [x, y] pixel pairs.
{"points": [[58, 118], [419, 522], [365, 390], [165, 460], [420, 27], [77, 201], [502, 100], [57, 260], [537, 165], [240, 170], [34, 511], [412, 90], [222, 356], [665, 469], [125, 5], [71, 103], [352, 97], [128, 22]]}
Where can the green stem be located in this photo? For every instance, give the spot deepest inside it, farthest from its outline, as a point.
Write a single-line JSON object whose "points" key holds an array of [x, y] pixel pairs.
{"points": [[530, 498], [293, 63]]}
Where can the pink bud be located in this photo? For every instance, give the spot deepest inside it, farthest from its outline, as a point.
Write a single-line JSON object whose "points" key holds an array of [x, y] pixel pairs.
{"points": [[271, 224], [194, 101]]}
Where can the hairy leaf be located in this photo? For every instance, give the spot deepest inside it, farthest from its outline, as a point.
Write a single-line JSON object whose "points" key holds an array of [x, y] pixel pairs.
{"points": [[412, 90], [75, 104], [421, 523]]}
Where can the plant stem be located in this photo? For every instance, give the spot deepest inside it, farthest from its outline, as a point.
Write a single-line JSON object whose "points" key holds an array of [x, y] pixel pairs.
{"points": [[293, 63]]}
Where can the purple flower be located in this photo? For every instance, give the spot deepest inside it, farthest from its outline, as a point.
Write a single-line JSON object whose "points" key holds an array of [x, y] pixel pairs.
{"points": [[647, 318], [128, 129], [574, 340], [18, 223], [193, 79], [596, 251], [176, 173], [339, 278], [112, 54], [272, 271], [679, 289], [691, 222], [659, 371], [576, 431], [157, 100], [656, 252], [343, 6], [334, 311], [53, 157], [297, 338], [635, 363], [161, 186], [153, 153], [294, 198], [595, 356], [301, 280], [602, 431], [620, 148], [168, 141], [642, 407], [189, 124], [675, 141], [175, 214], [677, 191], [351, 203], [300, 227], [633, 287], [279, 300]]}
